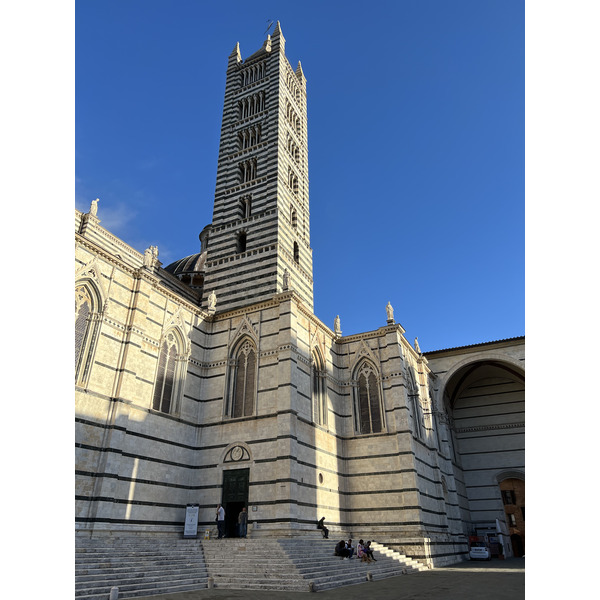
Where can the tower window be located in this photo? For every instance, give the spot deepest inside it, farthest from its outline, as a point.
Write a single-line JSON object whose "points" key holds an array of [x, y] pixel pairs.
{"points": [[296, 252], [247, 170], [246, 207], [241, 242], [294, 218], [293, 181]]}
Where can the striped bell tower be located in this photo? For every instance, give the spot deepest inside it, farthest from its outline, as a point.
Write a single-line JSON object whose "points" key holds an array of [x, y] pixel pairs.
{"points": [[260, 226]]}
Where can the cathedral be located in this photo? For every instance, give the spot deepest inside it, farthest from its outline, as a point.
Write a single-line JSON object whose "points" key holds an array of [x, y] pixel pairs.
{"points": [[211, 381]]}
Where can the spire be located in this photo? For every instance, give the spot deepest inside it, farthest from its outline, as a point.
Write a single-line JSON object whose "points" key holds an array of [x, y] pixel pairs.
{"points": [[300, 73], [235, 55], [278, 39]]}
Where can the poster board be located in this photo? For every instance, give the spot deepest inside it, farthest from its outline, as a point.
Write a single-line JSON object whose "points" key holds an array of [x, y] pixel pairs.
{"points": [[190, 529]]}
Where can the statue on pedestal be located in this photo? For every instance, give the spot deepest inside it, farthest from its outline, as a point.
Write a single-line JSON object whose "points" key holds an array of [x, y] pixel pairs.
{"points": [[212, 301], [148, 257], [390, 312], [417, 346], [336, 326], [94, 207]]}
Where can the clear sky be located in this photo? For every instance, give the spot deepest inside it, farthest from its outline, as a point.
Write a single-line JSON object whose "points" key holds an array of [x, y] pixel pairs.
{"points": [[416, 135]]}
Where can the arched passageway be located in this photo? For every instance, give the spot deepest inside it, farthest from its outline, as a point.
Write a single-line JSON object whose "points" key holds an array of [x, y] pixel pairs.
{"points": [[485, 401]]}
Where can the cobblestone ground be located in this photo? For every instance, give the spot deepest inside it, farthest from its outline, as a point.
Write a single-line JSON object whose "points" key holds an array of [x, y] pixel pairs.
{"points": [[493, 580]]}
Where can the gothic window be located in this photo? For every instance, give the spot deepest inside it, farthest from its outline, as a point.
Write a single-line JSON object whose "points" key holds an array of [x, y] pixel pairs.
{"points": [[368, 400], [242, 377], [249, 137], [167, 375], [293, 149], [293, 181], [246, 207], [296, 252], [294, 218], [87, 324], [319, 390], [247, 170], [415, 405], [241, 242], [252, 74]]}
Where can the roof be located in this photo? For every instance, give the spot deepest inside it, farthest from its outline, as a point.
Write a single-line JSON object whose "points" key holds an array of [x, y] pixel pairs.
{"points": [[190, 264], [522, 337]]}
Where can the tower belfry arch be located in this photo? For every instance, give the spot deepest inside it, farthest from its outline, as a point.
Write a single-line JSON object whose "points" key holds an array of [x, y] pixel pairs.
{"points": [[263, 168]]}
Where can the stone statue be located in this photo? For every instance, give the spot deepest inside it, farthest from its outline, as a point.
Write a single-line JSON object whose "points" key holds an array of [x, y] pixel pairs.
{"points": [[336, 326], [417, 346], [212, 300], [154, 251], [148, 256], [94, 207], [286, 280], [390, 312]]}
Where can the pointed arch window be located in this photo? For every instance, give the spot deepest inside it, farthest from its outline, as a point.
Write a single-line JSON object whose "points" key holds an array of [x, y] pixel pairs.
{"points": [[87, 325], [169, 375], [319, 390], [243, 368], [368, 410], [415, 405]]}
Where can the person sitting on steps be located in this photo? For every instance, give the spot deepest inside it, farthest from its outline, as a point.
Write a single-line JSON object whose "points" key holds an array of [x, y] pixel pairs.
{"points": [[341, 550], [360, 552], [368, 551], [320, 525]]}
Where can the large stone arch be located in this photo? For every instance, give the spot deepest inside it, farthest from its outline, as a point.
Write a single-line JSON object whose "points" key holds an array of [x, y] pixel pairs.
{"points": [[477, 359], [481, 389]]}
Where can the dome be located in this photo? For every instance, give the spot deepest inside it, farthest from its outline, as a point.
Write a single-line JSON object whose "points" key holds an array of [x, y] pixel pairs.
{"points": [[189, 265]]}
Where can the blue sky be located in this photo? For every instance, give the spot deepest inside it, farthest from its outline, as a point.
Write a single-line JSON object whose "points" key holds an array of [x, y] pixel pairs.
{"points": [[416, 146]]}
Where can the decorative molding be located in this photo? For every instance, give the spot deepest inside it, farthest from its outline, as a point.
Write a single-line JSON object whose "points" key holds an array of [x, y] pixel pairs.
{"points": [[237, 453], [490, 427]]}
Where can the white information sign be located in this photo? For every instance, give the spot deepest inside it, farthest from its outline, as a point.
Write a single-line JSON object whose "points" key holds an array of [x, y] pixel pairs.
{"points": [[191, 521]]}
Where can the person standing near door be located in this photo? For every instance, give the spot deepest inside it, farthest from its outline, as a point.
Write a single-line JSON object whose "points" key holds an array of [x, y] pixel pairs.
{"points": [[242, 523], [220, 521]]}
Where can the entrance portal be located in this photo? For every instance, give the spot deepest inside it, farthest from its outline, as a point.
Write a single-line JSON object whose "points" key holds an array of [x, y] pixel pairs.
{"points": [[235, 497]]}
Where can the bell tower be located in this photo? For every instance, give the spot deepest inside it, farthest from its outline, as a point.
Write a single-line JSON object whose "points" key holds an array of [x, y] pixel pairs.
{"points": [[261, 224]]}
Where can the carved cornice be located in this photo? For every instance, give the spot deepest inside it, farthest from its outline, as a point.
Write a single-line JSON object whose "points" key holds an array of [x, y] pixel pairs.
{"points": [[490, 427]]}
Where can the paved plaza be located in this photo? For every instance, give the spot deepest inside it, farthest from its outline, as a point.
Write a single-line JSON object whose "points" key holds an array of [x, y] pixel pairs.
{"points": [[494, 580]]}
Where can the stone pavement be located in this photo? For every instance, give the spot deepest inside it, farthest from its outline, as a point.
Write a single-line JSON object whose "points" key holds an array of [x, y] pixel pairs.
{"points": [[493, 580]]}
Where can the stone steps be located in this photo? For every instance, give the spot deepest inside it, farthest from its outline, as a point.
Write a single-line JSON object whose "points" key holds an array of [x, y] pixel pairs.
{"points": [[138, 567], [146, 567]]}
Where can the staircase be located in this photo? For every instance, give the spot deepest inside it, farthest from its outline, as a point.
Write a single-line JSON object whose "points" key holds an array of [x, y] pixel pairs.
{"points": [[148, 566], [315, 560], [257, 564], [137, 566]]}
